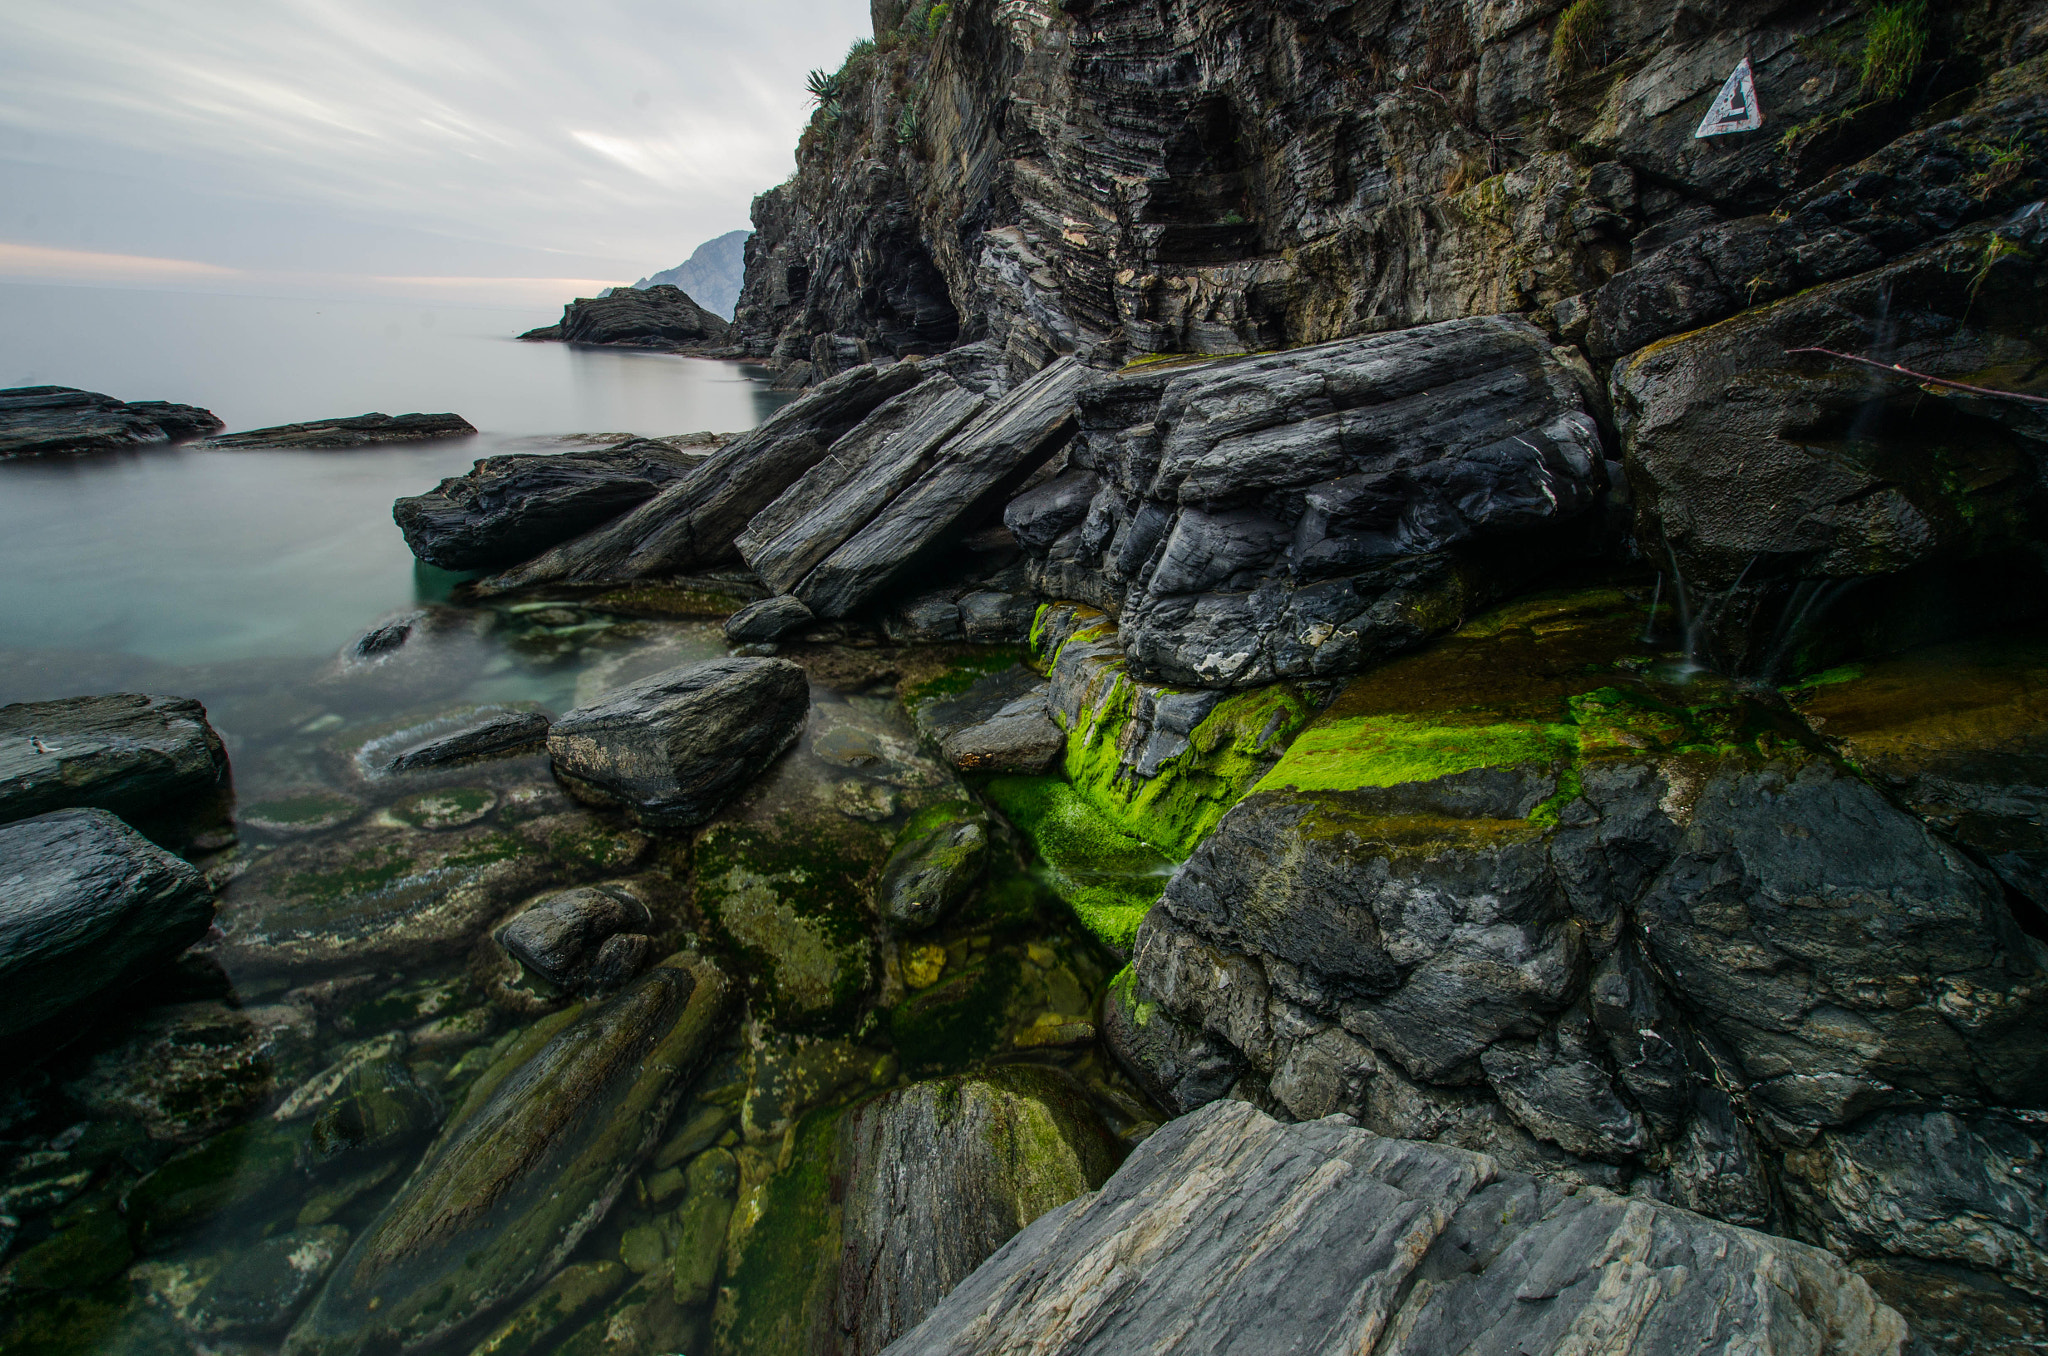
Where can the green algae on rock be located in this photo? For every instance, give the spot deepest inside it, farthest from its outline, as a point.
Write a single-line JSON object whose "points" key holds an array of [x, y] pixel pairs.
{"points": [[570, 1294], [939, 857], [1108, 877], [531, 1163]]}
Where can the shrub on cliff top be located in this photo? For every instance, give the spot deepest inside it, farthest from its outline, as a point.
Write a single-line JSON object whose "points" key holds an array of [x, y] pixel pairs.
{"points": [[1893, 48]]}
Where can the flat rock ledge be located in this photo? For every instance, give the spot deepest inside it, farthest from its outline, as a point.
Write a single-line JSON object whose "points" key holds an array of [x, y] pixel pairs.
{"points": [[1228, 1231], [356, 430], [35, 420]]}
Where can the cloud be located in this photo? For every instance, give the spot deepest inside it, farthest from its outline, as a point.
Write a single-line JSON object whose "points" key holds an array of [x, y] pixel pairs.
{"points": [[44, 263], [612, 136]]}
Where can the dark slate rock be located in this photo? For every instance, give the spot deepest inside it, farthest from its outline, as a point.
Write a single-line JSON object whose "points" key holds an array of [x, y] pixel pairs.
{"points": [[995, 617], [662, 316], [359, 430], [1038, 517], [999, 724], [467, 735], [939, 858], [1003, 444], [379, 1108], [559, 937], [767, 619], [262, 1288], [549, 1136], [694, 521], [1311, 512], [39, 419], [87, 905], [511, 508], [136, 755], [673, 748], [1227, 1231]]}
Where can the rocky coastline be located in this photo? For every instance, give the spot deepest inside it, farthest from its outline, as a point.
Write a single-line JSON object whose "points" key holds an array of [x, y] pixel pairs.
{"points": [[1334, 723]]}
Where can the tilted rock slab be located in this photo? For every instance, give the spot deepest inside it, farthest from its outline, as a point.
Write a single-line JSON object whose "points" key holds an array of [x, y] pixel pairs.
{"points": [[894, 488], [87, 904], [136, 755], [673, 748], [38, 419], [509, 509], [355, 430], [1229, 1232], [530, 1164], [695, 520], [1308, 513]]}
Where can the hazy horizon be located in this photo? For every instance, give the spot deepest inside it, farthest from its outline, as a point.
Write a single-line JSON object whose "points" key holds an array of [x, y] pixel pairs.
{"points": [[483, 155]]}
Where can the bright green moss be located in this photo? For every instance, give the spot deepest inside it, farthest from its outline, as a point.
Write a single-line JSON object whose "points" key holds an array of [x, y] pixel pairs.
{"points": [[1377, 751], [1109, 878], [1123, 990], [962, 672], [783, 1270]]}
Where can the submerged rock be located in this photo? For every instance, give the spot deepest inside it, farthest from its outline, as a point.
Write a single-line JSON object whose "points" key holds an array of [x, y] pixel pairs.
{"points": [[672, 748], [1227, 1231], [359, 430], [87, 905], [939, 858], [378, 1108], [190, 1070], [533, 1160], [144, 758], [511, 508], [662, 316], [41, 419], [572, 1293], [260, 1290]]}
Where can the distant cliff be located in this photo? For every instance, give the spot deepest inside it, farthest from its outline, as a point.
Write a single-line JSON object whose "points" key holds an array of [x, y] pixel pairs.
{"points": [[711, 275]]}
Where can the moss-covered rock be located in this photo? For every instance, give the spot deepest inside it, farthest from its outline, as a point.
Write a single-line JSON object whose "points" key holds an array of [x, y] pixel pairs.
{"points": [[1107, 876], [940, 857], [88, 1247], [189, 1070], [231, 1174], [378, 1109], [713, 1179], [570, 1294], [533, 1160], [782, 1247]]}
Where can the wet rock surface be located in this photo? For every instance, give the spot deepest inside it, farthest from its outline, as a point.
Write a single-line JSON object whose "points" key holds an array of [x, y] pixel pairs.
{"points": [[87, 905], [564, 937], [356, 430], [1228, 1229], [672, 748], [511, 508], [37, 420], [999, 723], [659, 317], [149, 759]]}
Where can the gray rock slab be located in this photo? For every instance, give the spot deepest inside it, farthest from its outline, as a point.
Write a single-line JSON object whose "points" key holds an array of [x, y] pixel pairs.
{"points": [[87, 905], [511, 508], [356, 430], [672, 748], [35, 420], [135, 755], [1229, 1232], [999, 724], [767, 619]]}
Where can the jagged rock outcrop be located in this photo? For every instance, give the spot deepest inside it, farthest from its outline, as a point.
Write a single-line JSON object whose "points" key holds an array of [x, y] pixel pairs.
{"points": [[712, 275], [1227, 1231], [87, 905], [661, 317], [35, 420], [509, 509], [1305, 514], [357, 430]]}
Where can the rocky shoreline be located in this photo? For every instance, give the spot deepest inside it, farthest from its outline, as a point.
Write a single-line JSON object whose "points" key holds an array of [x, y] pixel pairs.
{"points": [[1348, 737]]}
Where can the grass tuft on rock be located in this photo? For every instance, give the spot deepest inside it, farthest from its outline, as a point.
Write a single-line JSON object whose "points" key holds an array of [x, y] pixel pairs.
{"points": [[1893, 49], [1579, 42]]}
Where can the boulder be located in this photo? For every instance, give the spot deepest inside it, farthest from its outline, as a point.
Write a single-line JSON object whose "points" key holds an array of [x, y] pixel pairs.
{"points": [[453, 738], [1768, 481], [356, 430], [672, 748], [904, 480], [1308, 513], [40, 419], [511, 508], [662, 316], [767, 619], [545, 1141], [562, 937], [933, 1179], [693, 522], [998, 723], [87, 905], [939, 858], [144, 758], [1228, 1231]]}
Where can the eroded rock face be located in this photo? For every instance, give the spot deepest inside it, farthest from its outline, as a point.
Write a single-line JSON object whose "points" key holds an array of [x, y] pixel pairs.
{"points": [[35, 420], [672, 748], [662, 316], [87, 905], [1306, 514], [509, 509], [1227, 1231], [357, 430], [530, 1164], [141, 757]]}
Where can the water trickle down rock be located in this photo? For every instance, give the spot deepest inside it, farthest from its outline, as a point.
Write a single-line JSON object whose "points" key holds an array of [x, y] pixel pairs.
{"points": [[533, 1160]]}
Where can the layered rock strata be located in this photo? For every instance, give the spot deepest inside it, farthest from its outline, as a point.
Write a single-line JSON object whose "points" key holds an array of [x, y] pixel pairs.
{"points": [[36, 420], [661, 317], [357, 430]]}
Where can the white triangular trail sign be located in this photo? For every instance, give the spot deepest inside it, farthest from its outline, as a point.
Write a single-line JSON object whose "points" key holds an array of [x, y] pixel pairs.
{"points": [[1735, 107]]}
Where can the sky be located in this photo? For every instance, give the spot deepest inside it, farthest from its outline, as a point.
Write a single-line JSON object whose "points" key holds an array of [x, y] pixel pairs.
{"points": [[513, 152]]}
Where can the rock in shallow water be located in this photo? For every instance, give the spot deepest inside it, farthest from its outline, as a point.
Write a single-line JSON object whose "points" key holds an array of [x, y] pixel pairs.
{"points": [[87, 905], [672, 748], [124, 752], [662, 316], [39, 419], [1229, 1232], [525, 1169], [357, 430], [561, 937]]}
